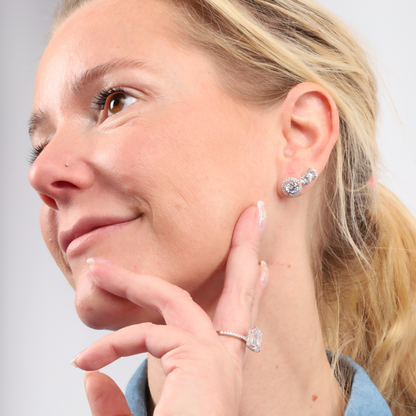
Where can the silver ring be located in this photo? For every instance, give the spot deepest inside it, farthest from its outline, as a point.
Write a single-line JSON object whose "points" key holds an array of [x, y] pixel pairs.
{"points": [[252, 340]]}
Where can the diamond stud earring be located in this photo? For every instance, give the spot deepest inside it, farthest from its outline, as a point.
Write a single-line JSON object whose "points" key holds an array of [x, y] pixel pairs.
{"points": [[293, 187]]}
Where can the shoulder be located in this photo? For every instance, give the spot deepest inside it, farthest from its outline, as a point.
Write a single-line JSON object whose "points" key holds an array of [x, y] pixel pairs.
{"points": [[365, 399], [136, 392]]}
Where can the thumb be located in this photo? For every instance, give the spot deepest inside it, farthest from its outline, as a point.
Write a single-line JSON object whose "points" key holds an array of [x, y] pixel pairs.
{"points": [[104, 396]]}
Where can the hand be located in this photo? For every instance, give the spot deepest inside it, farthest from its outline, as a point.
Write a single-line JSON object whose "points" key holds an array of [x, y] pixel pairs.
{"points": [[188, 345]]}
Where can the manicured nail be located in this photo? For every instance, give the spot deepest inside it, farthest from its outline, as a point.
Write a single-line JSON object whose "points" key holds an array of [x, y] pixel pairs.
{"points": [[87, 373], [264, 277], [261, 216], [101, 261], [74, 360]]}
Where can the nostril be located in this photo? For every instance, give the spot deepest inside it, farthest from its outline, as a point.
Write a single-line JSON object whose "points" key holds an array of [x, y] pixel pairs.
{"points": [[47, 200], [63, 185]]}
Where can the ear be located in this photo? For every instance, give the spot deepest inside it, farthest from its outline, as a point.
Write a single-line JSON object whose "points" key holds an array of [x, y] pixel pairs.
{"points": [[310, 128]]}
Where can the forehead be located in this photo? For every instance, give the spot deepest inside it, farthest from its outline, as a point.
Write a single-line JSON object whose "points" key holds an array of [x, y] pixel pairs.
{"points": [[107, 31], [109, 22]]}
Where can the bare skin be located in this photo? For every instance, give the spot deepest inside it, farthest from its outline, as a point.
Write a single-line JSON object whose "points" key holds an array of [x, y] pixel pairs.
{"points": [[157, 186]]}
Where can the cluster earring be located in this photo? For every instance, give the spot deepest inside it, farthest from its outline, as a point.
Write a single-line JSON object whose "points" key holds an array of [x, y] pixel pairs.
{"points": [[293, 187]]}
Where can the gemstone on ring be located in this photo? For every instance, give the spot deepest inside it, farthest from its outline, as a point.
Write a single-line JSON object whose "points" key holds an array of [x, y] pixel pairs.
{"points": [[253, 339]]}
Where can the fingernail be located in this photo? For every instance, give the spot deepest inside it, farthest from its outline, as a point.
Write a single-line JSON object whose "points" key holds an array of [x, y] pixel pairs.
{"points": [[264, 278], [87, 373], [101, 261], [74, 360], [261, 216]]}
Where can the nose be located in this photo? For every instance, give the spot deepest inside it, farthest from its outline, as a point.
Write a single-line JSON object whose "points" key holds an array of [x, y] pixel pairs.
{"points": [[59, 173]]}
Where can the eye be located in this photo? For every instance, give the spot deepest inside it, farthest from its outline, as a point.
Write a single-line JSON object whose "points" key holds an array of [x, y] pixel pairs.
{"points": [[118, 102], [113, 101]]}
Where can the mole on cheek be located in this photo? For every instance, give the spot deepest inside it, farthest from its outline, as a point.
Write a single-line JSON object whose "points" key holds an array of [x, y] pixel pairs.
{"points": [[314, 398]]}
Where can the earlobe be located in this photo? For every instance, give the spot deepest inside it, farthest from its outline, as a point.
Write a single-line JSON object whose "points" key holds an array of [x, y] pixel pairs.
{"points": [[310, 127]]}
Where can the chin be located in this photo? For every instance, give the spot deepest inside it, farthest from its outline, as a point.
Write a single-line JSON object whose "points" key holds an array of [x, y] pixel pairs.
{"points": [[99, 309]]}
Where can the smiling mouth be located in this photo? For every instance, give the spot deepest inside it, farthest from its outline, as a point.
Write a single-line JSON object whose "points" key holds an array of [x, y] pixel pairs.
{"points": [[86, 230]]}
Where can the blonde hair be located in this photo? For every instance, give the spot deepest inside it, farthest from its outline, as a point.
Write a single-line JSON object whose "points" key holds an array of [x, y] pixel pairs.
{"points": [[365, 254]]}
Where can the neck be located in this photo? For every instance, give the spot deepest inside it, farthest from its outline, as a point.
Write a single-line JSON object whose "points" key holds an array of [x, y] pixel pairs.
{"points": [[291, 375]]}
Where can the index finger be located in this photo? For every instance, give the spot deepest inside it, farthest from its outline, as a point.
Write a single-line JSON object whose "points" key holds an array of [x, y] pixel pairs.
{"points": [[155, 294]]}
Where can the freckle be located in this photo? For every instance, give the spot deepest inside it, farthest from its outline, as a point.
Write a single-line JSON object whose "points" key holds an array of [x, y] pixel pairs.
{"points": [[288, 266], [314, 398], [277, 366]]}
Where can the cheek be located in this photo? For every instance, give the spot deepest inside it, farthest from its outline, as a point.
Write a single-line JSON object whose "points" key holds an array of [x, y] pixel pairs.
{"points": [[195, 169], [194, 174]]}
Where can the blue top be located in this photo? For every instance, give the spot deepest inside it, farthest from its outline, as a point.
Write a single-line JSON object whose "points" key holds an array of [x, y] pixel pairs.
{"points": [[365, 399]]}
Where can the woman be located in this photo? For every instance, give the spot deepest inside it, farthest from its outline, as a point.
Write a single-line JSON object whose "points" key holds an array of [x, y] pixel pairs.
{"points": [[157, 127]]}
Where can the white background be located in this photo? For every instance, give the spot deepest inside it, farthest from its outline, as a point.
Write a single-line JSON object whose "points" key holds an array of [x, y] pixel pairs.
{"points": [[40, 331]]}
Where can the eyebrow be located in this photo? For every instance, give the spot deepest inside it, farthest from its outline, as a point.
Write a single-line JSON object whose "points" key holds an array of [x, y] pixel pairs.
{"points": [[88, 76]]}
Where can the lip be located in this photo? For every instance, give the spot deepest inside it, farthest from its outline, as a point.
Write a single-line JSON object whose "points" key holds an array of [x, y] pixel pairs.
{"points": [[86, 226]]}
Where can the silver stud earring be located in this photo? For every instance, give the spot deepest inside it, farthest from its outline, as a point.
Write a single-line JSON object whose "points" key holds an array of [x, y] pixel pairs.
{"points": [[293, 187]]}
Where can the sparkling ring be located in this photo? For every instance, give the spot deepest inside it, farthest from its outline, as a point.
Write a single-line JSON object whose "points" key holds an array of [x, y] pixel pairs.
{"points": [[253, 339]]}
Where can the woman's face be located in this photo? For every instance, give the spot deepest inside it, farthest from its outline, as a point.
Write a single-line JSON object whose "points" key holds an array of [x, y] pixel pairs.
{"points": [[147, 163]]}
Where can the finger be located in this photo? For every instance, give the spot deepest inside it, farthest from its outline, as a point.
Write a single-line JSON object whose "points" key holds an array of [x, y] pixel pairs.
{"points": [[262, 281], [241, 291], [155, 294], [104, 396], [158, 340]]}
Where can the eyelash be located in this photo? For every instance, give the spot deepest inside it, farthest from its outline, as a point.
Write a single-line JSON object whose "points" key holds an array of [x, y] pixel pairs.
{"points": [[35, 152], [101, 98]]}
